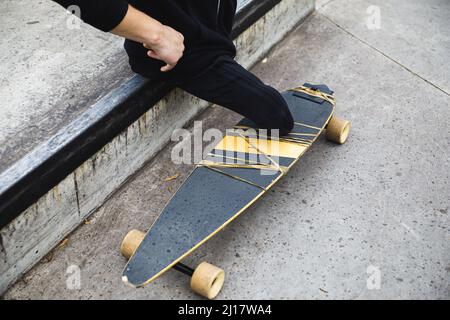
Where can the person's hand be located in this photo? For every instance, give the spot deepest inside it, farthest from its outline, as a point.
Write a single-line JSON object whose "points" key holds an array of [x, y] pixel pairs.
{"points": [[167, 46], [163, 42]]}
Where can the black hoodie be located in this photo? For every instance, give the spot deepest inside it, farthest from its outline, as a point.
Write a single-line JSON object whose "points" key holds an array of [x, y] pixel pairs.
{"points": [[205, 24]]}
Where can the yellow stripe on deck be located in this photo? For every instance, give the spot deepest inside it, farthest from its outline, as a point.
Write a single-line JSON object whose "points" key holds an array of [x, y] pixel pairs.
{"points": [[261, 146]]}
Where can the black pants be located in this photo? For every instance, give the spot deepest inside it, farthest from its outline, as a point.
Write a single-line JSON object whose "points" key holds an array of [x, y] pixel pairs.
{"points": [[229, 85]]}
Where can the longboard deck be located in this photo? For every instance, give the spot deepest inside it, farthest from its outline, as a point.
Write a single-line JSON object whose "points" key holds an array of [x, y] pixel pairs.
{"points": [[202, 206]]}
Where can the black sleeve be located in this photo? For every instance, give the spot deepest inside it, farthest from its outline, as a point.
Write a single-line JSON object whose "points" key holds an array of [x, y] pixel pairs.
{"points": [[101, 14]]}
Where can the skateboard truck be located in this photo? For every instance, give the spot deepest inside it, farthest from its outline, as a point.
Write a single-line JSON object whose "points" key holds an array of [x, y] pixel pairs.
{"points": [[184, 269], [206, 280]]}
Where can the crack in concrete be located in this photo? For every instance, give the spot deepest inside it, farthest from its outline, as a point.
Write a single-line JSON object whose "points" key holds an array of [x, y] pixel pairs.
{"points": [[325, 4], [77, 196], [382, 53]]}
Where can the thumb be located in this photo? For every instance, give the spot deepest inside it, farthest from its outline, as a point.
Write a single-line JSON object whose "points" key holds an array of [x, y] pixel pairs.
{"points": [[166, 68], [153, 54]]}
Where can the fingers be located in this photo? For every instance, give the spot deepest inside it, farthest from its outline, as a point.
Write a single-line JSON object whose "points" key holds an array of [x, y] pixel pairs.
{"points": [[170, 50], [154, 55]]}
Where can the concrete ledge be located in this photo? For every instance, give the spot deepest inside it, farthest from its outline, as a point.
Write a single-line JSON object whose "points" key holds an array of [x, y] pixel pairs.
{"points": [[48, 193]]}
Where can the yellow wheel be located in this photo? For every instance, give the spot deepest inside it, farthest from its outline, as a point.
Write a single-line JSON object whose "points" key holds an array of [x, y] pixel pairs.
{"points": [[338, 130], [131, 242], [207, 280]]}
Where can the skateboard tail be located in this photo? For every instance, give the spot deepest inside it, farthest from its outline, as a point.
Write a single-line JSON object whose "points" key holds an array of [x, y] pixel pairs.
{"points": [[125, 280], [132, 285]]}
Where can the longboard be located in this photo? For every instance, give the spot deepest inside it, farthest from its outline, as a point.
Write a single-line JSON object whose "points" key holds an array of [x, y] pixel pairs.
{"points": [[233, 176]]}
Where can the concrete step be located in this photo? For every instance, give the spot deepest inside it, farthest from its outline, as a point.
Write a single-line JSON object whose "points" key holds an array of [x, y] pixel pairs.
{"points": [[47, 191]]}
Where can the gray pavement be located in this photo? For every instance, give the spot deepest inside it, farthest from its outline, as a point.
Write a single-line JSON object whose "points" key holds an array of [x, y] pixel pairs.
{"points": [[369, 219]]}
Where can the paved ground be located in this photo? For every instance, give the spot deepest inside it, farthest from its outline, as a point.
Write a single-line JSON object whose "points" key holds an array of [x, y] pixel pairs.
{"points": [[374, 209]]}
